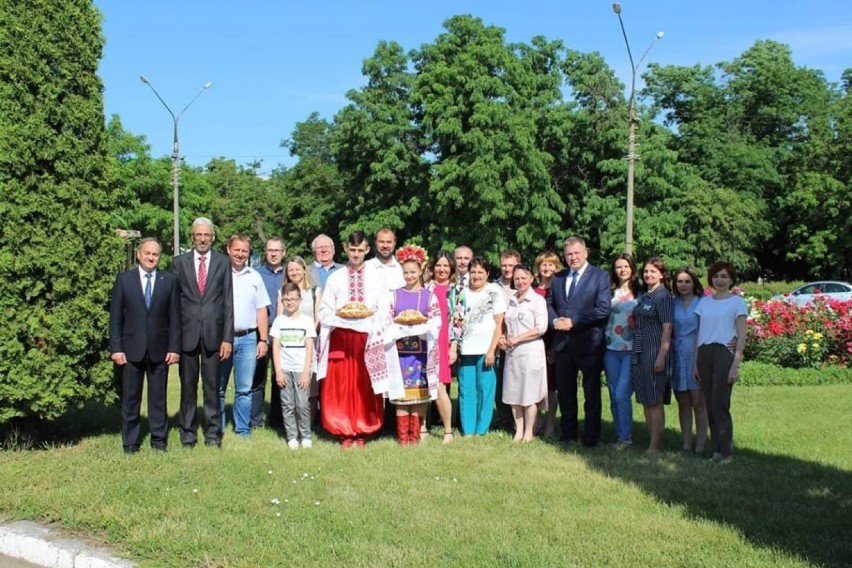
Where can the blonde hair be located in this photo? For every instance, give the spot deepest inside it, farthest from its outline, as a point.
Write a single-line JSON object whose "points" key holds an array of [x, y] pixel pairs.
{"points": [[306, 283], [546, 256]]}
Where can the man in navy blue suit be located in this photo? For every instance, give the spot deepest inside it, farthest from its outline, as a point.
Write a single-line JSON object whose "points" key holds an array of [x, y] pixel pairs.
{"points": [[144, 338], [578, 305]]}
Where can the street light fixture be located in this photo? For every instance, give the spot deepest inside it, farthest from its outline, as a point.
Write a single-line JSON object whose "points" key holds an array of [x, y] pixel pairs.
{"points": [[175, 156], [632, 156]]}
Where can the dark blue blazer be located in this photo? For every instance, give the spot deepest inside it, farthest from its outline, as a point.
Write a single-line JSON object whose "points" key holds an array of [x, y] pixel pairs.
{"points": [[138, 331], [588, 307]]}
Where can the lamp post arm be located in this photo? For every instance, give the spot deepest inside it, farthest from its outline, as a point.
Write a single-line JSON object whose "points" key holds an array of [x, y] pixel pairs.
{"points": [[189, 104], [175, 158], [150, 86]]}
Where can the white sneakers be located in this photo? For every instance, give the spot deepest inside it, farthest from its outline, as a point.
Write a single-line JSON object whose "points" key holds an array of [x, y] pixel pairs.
{"points": [[294, 444], [307, 444]]}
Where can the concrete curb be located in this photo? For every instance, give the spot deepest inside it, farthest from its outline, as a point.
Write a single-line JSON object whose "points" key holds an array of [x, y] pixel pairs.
{"points": [[34, 543]]}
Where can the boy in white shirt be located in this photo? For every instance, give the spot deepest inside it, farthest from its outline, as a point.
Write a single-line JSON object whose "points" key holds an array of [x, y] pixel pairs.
{"points": [[293, 355]]}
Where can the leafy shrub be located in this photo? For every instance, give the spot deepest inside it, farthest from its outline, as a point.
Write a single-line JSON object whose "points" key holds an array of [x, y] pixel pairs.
{"points": [[753, 373], [767, 290]]}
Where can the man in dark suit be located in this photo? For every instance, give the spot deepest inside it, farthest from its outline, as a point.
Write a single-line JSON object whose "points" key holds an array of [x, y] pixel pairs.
{"points": [[144, 338], [578, 305], [207, 317]]}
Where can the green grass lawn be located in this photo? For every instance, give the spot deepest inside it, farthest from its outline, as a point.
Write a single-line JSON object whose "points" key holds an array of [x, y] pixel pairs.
{"points": [[786, 500]]}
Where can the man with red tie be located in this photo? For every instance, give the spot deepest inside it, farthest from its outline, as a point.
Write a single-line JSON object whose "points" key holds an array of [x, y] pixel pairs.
{"points": [[207, 316], [144, 339]]}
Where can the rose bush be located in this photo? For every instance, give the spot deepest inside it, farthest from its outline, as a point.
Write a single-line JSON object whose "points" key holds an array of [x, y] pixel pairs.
{"points": [[781, 333]]}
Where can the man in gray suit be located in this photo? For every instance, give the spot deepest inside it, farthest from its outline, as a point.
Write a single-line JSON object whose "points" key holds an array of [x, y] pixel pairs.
{"points": [[323, 264], [207, 319]]}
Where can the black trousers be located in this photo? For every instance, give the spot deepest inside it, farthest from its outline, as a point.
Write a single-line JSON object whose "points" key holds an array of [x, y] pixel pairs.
{"points": [[503, 418], [714, 362], [258, 394], [566, 367], [191, 362], [132, 377]]}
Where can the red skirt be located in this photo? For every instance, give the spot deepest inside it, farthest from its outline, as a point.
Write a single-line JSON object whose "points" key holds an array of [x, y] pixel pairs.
{"points": [[349, 406]]}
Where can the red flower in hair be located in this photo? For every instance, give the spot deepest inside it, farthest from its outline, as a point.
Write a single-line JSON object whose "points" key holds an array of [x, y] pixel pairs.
{"points": [[412, 252]]}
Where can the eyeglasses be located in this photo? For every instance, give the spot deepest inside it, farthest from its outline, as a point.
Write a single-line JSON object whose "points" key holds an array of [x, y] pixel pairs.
{"points": [[274, 250], [324, 247]]}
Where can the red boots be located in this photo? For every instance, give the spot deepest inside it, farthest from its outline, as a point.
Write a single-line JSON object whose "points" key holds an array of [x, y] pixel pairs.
{"points": [[403, 428], [408, 429]]}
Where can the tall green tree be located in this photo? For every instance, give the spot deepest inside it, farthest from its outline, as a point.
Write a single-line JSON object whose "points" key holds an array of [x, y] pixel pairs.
{"points": [[313, 191], [590, 152], [246, 203], [490, 182], [142, 185], [380, 146], [58, 249]]}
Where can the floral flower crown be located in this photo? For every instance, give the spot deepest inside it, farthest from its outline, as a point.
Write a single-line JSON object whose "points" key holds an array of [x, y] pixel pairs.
{"points": [[412, 252]]}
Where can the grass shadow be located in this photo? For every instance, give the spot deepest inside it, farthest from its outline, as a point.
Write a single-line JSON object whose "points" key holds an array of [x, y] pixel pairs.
{"points": [[775, 501]]}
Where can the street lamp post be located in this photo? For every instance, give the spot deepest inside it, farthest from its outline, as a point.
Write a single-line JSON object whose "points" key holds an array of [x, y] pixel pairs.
{"points": [[632, 156], [175, 156]]}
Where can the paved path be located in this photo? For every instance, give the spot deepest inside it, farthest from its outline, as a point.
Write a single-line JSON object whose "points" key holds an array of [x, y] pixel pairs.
{"points": [[9, 562], [24, 544]]}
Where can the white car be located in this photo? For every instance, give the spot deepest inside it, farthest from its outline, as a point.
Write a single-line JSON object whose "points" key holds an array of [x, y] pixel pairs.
{"points": [[828, 289]]}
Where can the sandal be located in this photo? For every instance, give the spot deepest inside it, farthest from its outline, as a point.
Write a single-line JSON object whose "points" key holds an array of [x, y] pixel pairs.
{"points": [[448, 437]]}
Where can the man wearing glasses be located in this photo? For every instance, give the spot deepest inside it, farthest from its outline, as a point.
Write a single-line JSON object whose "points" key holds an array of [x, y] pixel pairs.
{"points": [[273, 277], [207, 316], [323, 264]]}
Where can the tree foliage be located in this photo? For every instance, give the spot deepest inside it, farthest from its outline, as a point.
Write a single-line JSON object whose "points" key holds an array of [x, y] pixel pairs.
{"points": [[472, 139], [58, 245]]}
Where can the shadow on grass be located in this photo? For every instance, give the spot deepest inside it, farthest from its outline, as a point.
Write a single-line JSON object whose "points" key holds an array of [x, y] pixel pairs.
{"points": [[776, 502]]}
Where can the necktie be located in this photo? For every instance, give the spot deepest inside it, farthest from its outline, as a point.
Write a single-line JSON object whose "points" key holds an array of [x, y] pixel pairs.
{"points": [[573, 283], [148, 290], [202, 274]]}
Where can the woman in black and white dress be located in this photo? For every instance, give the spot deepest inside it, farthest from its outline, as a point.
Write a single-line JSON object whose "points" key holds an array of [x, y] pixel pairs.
{"points": [[651, 366]]}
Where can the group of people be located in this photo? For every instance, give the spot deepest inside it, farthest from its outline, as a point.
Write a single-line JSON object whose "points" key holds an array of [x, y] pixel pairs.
{"points": [[375, 342], [661, 338]]}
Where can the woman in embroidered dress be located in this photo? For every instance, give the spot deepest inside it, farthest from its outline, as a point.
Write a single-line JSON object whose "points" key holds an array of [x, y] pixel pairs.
{"points": [[722, 321], [479, 324], [524, 373], [443, 270], [547, 264], [650, 363], [619, 345], [416, 345], [690, 400]]}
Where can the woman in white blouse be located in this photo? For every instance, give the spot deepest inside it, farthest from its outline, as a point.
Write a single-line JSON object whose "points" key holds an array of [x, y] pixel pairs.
{"points": [[524, 369], [479, 322]]}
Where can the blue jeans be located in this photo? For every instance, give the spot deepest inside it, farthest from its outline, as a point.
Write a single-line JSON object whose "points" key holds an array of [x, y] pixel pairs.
{"points": [[477, 388], [617, 369], [243, 361]]}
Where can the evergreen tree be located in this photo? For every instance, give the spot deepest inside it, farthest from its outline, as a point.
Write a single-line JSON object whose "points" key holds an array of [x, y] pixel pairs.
{"points": [[58, 250]]}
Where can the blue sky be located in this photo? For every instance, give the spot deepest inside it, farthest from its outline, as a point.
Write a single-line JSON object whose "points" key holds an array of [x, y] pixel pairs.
{"points": [[272, 63]]}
